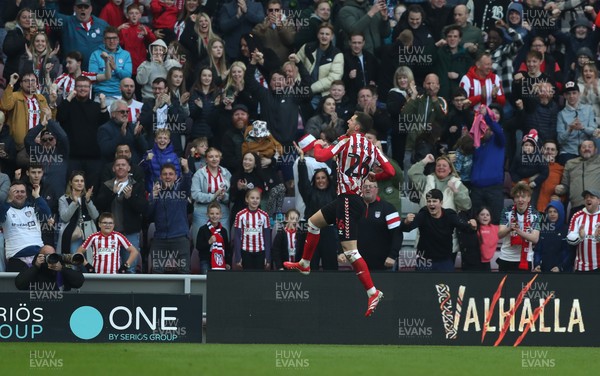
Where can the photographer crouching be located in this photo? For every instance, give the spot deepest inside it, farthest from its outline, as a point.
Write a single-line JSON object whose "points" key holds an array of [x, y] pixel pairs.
{"points": [[50, 270]]}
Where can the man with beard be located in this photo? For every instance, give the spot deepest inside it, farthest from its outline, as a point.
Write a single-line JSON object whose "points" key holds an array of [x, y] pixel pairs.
{"points": [[234, 137], [128, 94], [522, 222], [20, 221], [436, 226]]}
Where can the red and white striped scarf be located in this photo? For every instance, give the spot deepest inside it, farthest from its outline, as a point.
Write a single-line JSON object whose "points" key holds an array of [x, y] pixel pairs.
{"points": [[217, 251], [518, 240]]}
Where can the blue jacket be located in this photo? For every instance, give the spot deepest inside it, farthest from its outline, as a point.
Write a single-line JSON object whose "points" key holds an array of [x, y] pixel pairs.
{"points": [[488, 159], [109, 136], [75, 38], [152, 167], [552, 248], [168, 211], [123, 70]]}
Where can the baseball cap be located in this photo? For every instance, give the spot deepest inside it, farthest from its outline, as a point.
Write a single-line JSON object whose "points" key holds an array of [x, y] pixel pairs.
{"points": [[593, 192], [83, 2], [239, 107], [570, 86]]}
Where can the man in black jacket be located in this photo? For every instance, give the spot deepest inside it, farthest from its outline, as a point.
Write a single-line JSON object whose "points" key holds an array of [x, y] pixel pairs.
{"points": [[360, 67], [234, 137], [81, 117], [119, 130], [436, 225], [125, 198], [43, 275], [379, 235], [283, 105]]}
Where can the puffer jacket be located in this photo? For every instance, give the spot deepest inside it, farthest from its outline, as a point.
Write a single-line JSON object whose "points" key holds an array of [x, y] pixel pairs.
{"points": [[331, 65]]}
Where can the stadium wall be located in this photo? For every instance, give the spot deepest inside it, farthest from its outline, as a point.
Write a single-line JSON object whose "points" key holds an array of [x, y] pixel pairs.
{"points": [[418, 309]]}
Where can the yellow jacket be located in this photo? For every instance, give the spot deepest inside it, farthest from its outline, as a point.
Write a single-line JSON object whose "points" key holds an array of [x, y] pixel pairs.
{"points": [[13, 104]]}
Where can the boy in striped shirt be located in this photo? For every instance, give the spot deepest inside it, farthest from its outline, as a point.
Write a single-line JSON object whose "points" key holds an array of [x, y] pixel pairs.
{"points": [[106, 245], [65, 83], [356, 155]]}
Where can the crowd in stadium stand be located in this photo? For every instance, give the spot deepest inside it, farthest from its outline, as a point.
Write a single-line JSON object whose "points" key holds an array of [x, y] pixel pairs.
{"points": [[177, 136]]}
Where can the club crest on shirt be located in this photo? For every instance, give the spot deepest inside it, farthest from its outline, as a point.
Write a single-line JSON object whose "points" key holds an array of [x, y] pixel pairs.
{"points": [[377, 214]]}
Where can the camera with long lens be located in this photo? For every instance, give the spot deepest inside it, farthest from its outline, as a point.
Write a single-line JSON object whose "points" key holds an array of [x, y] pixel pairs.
{"points": [[73, 259]]}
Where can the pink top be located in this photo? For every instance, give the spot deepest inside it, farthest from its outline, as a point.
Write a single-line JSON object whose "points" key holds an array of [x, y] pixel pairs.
{"points": [[488, 235]]}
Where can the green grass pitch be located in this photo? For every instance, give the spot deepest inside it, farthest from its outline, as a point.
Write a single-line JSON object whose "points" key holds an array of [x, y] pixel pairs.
{"points": [[223, 360]]}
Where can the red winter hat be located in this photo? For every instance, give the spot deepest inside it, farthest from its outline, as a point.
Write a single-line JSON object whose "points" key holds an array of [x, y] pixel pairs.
{"points": [[532, 137]]}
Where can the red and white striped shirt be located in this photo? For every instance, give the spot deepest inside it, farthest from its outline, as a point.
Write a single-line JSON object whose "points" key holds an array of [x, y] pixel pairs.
{"points": [[588, 251], [356, 155], [33, 112], [214, 182], [66, 82], [251, 225], [106, 251], [475, 87], [291, 243]]}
